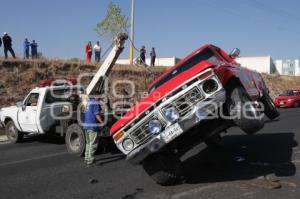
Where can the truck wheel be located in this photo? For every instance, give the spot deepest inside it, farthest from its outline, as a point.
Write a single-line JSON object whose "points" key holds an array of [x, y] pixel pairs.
{"points": [[12, 133], [244, 111], [163, 169], [297, 104], [270, 108], [75, 140], [215, 142]]}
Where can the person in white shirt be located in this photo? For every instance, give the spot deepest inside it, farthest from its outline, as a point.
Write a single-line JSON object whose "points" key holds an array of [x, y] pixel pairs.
{"points": [[97, 50]]}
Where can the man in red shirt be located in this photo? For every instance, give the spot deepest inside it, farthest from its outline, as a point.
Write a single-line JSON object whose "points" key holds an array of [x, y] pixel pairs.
{"points": [[88, 52]]}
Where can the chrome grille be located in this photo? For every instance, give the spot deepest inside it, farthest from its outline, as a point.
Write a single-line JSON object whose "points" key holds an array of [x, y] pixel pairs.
{"points": [[141, 134], [185, 103]]}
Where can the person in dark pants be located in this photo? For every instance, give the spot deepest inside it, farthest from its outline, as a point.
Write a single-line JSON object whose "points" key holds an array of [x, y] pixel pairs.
{"points": [[34, 51], [153, 56], [143, 55], [26, 49], [97, 50], [7, 44], [92, 121]]}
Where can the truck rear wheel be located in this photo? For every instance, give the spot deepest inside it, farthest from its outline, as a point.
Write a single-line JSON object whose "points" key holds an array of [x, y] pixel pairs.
{"points": [[12, 133], [244, 111], [270, 108], [163, 169], [75, 140]]}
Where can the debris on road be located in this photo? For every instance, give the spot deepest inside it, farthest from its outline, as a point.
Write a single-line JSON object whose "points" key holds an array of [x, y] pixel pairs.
{"points": [[264, 182], [93, 181]]}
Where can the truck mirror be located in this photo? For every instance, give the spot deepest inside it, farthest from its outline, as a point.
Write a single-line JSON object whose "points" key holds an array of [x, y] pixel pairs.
{"points": [[235, 53], [19, 104]]}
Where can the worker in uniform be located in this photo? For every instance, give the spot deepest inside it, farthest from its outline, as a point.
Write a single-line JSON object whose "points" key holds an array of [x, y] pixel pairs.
{"points": [[92, 123]]}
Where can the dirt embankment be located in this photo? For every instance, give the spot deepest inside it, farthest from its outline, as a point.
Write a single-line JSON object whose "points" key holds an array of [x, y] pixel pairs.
{"points": [[18, 77]]}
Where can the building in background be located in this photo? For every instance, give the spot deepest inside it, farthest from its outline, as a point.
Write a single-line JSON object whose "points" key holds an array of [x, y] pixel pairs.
{"points": [[263, 64], [288, 67], [167, 62]]}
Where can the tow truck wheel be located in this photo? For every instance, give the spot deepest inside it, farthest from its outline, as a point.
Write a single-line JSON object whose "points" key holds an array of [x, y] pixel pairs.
{"points": [[163, 169], [244, 111], [12, 133], [269, 106], [75, 140]]}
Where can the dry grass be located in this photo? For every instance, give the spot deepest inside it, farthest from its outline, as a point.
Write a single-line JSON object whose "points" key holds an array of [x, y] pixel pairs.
{"points": [[18, 77]]}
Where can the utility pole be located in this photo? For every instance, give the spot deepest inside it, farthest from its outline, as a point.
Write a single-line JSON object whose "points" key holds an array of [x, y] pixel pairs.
{"points": [[132, 32]]}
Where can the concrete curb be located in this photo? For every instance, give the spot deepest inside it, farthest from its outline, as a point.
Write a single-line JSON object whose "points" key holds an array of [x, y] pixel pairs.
{"points": [[3, 138]]}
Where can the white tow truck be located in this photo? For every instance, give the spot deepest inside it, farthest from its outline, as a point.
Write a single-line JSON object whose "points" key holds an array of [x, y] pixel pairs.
{"points": [[54, 106]]}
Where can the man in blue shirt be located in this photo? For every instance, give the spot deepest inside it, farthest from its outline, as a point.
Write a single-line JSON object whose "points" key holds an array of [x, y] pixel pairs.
{"points": [[26, 49], [34, 51], [92, 120]]}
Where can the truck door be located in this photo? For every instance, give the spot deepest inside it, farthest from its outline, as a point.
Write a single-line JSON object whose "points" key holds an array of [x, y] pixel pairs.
{"points": [[28, 114]]}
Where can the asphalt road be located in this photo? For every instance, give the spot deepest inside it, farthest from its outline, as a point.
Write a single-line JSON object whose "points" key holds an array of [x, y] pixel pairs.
{"points": [[265, 165]]}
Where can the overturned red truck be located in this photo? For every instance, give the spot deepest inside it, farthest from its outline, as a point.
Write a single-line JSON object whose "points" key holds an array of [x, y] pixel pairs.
{"points": [[193, 102]]}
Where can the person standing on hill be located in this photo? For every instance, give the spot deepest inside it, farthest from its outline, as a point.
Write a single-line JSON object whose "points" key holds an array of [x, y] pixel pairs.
{"points": [[153, 56], [97, 50], [143, 55], [7, 44], [88, 52], [34, 51], [26, 49]]}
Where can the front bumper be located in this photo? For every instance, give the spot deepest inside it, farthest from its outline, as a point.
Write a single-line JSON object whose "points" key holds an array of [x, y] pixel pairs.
{"points": [[286, 104], [200, 112]]}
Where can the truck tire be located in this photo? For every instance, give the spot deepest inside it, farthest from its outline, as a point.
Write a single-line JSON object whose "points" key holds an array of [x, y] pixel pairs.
{"points": [[12, 133], [215, 142], [270, 108], [75, 140], [240, 103], [163, 169]]}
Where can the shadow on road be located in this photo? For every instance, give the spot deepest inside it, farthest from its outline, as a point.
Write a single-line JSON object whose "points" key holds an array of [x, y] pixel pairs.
{"points": [[244, 157], [44, 139]]}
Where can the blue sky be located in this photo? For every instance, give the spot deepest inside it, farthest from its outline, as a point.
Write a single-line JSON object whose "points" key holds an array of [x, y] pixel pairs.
{"points": [[175, 28]]}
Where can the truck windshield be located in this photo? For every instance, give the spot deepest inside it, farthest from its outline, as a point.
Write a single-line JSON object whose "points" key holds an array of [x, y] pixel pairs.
{"points": [[206, 54]]}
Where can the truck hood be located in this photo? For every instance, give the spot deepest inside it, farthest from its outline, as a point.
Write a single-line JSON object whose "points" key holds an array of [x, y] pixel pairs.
{"points": [[158, 94]]}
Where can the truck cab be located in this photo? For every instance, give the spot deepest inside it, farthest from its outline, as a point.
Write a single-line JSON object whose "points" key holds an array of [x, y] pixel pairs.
{"points": [[39, 112]]}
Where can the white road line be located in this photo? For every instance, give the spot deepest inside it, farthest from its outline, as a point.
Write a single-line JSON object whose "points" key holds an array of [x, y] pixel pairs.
{"points": [[32, 159]]}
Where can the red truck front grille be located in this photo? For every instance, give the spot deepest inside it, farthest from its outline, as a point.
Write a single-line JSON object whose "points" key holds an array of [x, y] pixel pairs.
{"points": [[185, 103], [141, 134]]}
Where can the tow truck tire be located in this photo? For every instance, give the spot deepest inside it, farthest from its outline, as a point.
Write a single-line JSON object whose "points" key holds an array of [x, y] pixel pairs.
{"points": [[12, 133], [269, 106], [75, 140], [163, 169], [253, 120]]}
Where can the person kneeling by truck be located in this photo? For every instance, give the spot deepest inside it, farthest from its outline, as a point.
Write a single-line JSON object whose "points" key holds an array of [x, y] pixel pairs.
{"points": [[92, 123]]}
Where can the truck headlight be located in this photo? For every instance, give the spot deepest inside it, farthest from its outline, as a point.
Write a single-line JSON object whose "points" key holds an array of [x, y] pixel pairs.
{"points": [[66, 109], [154, 127], [171, 114], [210, 86], [128, 144]]}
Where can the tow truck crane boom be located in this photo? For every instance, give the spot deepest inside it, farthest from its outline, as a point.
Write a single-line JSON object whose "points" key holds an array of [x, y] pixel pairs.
{"points": [[97, 82]]}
